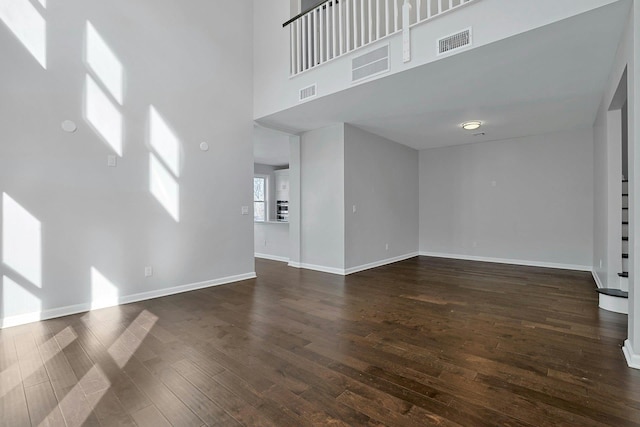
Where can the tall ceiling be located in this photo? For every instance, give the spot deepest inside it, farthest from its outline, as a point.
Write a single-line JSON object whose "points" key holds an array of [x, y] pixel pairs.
{"points": [[546, 80]]}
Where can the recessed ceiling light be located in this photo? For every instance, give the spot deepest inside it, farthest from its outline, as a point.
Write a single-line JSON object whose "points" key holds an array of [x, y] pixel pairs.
{"points": [[473, 125]]}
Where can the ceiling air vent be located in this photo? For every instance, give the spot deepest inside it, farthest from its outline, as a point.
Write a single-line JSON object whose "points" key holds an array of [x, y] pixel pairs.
{"points": [[308, 92], [454, 42], [370, 64]]}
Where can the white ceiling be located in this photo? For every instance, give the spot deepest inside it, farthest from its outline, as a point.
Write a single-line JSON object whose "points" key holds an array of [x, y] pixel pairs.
{"points": [[545, 80], [270, 147]]}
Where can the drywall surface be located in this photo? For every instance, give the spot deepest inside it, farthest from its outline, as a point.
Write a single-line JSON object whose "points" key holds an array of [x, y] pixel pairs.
{"points": [[322, 198], [381, 197], [608, 169], [147, 82], [271, 240], [527, 199]]}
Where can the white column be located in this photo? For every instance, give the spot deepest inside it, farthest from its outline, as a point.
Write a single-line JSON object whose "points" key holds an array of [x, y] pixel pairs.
{"points": [[294, 201]]}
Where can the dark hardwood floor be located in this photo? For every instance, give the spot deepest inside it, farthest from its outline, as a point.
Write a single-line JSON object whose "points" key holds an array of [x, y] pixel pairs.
{"points": [[421, 342]]}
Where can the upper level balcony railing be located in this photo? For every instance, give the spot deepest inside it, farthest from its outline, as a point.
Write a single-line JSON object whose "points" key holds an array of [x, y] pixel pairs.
{"points": [[336, 27]]}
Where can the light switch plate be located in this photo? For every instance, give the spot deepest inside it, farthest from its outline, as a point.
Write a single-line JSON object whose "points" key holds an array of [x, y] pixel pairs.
{"points": [[245, 210], [112, 161]]}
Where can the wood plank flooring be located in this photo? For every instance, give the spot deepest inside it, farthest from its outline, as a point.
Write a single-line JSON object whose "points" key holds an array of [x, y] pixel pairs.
{"points": [[422, 342]]}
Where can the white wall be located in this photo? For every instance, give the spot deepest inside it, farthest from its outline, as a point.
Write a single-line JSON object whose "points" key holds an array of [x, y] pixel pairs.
{"points": [[322, 229], [528, 199], [381, 180], [608, 170], [271, 241], [194, 65], [632, 345]]}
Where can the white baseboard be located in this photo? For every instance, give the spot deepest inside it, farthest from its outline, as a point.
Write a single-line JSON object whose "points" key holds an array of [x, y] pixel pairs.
{"points": [[321, 268], [23, 319], [379, 263], [271, 257], [352, 270], [509, 261], [596, 279], [633, 359]]}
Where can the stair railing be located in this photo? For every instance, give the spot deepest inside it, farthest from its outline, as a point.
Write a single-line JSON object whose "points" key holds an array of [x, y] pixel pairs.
{"points": [[333, 28]]}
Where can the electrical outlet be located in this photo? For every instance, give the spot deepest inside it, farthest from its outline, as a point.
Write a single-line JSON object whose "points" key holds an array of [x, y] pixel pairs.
{"points": [[354, 209], [600, 263], [386, 247], [245, 210], [112, 161], [148, 271], [265, 243]]}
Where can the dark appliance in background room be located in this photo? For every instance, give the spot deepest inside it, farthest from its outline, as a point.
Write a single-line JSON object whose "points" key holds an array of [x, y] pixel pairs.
{"points": [[282, 211]]}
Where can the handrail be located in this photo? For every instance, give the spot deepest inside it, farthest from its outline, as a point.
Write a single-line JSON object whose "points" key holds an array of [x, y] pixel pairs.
{"points": [[301, 14]]}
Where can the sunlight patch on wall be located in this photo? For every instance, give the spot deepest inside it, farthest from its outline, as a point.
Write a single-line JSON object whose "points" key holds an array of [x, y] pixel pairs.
{"points": [[104, 63], [103, 292], [103, 115], [164, 187], [21, 241], [26, 23], [164, 141], [123, 349], [17, 301]]}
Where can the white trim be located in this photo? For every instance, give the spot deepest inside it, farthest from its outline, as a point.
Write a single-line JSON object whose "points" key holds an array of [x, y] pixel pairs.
{"points": [[271, 257], [352, 270], [380, 263], [509, 261], [23, 319], [614, 304], [596, 279], [321, 268], [633, 359]]}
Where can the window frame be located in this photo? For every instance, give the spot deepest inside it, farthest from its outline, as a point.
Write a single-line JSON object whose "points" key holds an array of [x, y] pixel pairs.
{"points": [[265, 178]]}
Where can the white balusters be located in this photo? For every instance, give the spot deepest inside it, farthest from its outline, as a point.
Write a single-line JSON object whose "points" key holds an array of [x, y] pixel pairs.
{"points": [[363, 28], [377, 19], [334, 32], [316, 44], [347, 23], [340, 27], [321, 37], [386, 17]]}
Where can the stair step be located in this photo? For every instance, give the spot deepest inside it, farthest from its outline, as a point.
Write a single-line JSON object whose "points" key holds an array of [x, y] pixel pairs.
{"points": [[623, 274], [614, 293]]}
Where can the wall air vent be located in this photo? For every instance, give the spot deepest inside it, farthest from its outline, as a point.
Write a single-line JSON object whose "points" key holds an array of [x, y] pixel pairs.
{"points": [[308, 92], [454, 42], [370, 64]]}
